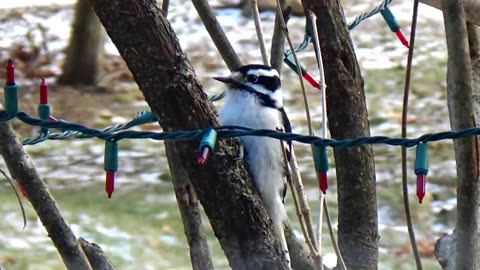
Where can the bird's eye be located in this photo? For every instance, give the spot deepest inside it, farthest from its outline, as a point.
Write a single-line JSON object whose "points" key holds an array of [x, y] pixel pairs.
{"points": [[252, 78]]}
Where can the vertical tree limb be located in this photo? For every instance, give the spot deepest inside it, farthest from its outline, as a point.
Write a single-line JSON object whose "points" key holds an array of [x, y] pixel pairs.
{"points": [[152, 52], [278, 40], [459, 95], [347, 118], [21, 169], [259, 29], [216, 33], [189, 210], [165, 6]]}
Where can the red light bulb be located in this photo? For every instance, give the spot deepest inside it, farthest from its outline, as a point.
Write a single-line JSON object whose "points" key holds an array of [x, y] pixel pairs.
{"points": [[402, 37], [43, 92], [421, 186], [10, 72], [110, 184], [323, 182]]}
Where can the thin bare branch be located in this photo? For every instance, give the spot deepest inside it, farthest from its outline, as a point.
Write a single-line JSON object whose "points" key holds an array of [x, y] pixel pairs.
{"points": [[304, 207], [259, 30], [216, 34], [406, 94], [12, 184]]}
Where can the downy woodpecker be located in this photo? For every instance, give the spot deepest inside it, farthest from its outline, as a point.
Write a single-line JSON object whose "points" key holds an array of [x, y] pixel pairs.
{"points": [[254, 99]]}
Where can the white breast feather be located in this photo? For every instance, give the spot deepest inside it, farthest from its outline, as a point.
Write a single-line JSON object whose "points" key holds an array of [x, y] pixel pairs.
{"points": [[264, 155]]}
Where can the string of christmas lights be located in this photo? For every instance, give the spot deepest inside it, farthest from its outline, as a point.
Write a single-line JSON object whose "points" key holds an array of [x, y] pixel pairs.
{"points": [[111, 136]]}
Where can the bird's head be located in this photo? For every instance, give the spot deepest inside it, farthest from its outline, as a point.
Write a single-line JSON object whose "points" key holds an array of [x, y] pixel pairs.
{"points": [[260, 80]]}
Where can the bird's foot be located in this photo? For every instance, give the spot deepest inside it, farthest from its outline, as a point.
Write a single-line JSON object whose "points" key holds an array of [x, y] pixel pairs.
{"points": [[240, 152]]}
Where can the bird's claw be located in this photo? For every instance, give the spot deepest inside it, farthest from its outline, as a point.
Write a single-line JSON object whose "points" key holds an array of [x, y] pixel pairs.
{"points": [[240, 152]]}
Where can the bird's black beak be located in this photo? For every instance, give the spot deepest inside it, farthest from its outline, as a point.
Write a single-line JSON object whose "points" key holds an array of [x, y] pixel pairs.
{"points": [[234, 80], [224, 79]]}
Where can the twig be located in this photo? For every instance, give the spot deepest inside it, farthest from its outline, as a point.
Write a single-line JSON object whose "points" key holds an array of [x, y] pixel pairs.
{"points": [[341, 262], [299, 71], [321, 200], [18, 197], [318, 54], [323, 85], [305, 209], [295, 198], [216, 34], [323, 89], [411, 232], [259, 30]]}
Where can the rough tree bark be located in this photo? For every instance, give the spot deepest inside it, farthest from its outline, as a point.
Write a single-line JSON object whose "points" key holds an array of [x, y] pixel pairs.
{"points": [[445, 247], [83, 61], [146, 41], [460, 106], [347, 118]]}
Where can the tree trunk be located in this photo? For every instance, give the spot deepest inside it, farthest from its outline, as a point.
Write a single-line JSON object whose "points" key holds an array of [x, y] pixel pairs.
{"points": [[189, 210], [347, 118], [146, 41], [460, 106], [83, 61]]}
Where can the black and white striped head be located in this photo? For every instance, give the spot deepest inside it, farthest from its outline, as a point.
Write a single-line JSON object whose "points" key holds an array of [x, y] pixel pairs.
{"points": [[260, 80]]}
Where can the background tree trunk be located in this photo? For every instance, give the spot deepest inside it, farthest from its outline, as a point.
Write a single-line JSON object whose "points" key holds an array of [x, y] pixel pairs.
{"points": [[460, 107], [146, 41], [347, 118], [83, 61]]}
